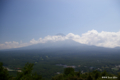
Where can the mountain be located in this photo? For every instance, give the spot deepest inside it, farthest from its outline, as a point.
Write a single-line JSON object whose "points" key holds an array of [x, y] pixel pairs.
{"points": [[66, 45], [52, 45], [61, 34]]}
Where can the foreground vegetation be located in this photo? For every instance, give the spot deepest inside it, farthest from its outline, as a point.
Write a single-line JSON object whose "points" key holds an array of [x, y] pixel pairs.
{"points": [[69, 74], [47, 62], [26, 73]]}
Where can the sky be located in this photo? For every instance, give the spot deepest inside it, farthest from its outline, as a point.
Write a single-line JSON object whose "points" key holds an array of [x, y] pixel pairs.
{"points": [[28, 22]]}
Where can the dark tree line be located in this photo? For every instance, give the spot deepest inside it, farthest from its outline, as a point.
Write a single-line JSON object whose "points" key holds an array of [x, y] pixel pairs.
{"points": [[68, 74], [26, 73]]}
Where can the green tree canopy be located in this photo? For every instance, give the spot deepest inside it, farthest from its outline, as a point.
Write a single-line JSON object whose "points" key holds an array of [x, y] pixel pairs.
{"points": [[27, 74], [68, 71], [4, 75]]}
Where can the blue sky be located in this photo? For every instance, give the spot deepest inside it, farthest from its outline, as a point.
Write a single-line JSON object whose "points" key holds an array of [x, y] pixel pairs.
{"points": [[23, 20]]}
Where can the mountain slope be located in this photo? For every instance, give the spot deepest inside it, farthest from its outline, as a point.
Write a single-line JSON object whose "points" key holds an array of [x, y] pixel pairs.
{"points": [[66, 45]]}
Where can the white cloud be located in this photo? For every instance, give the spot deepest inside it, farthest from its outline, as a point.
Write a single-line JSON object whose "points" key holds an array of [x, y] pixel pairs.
{"points": [[9, 45], [33, 41], [48, 38], [15, 42], [103, 39], [7, 42]]}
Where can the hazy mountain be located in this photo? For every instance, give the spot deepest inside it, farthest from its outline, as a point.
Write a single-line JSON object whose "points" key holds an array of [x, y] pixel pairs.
{"points": [[53, 45], [61, 34], [66, 45]]}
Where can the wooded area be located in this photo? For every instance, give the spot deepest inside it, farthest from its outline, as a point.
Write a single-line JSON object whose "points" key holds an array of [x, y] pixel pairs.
{"points": [[52, 63]]}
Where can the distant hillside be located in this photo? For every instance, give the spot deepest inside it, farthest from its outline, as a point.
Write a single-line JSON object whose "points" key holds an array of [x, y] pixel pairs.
{"points": [[65, 45]]}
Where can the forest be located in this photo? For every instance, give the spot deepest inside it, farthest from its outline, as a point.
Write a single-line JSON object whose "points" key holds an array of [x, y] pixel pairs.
{"points": [[68, 74], [52, 64]]}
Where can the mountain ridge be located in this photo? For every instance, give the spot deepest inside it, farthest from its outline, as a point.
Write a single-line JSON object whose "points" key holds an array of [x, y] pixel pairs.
{"points": [[67, 44]]}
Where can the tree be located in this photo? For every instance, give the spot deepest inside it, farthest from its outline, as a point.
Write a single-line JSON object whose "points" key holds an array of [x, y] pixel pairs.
{"points": [[4, 75], [118, 76], [78, 73], [27, 74], [89, 77], [97, 74], [58, 77], [69, 71], [104, 73]]}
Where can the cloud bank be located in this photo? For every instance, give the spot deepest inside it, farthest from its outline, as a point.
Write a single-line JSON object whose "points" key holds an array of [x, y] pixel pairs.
{"points": [[92, 37]]}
